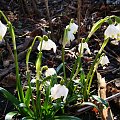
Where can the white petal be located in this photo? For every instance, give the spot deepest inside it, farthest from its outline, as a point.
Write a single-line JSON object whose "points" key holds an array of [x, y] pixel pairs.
{"points": [[59, 91], [33, 80], [104, 60], [50, 72], [111, 32], [70, 36], [84, 46], [48, 45], [118, 26], [73, 27], [3, 30], [115, 42]]}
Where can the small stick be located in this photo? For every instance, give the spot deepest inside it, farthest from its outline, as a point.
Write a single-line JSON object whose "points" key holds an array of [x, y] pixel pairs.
{"points": [[49, 19], [79, 17]]}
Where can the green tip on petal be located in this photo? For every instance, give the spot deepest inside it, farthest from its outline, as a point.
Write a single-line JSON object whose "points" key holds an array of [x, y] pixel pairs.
{"points": [[45, 37], [62, 82], [117, 19], [0, 38], [72, 21], [110, 21]]}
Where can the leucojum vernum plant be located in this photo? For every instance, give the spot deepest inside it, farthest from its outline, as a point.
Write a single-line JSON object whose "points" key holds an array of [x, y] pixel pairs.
{"points": [[48, 92]]}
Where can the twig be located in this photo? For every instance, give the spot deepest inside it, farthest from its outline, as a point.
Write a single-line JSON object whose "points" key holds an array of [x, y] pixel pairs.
{"points": [[79, 17], [48, 15]]}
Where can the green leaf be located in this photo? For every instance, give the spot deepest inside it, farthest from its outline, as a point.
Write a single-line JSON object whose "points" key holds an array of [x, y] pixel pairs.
{"points": [[74, 67], [97, 25], [9, 96], [65, 38], [66, 118], [27, 118], [10, 115], [59, 67], [100, 100]]}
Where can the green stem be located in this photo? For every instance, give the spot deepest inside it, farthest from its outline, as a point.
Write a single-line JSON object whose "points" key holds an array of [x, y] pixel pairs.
{"points": [[63, 61], [92, 71], [78, 69], [12, 33], [30, 49], [29, 95], [38, 82], [38, 94], [19, 85], [28, 73]]}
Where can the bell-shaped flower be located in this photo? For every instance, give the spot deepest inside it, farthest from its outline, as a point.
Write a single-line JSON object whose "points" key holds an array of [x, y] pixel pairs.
{"points": [[84, 46], [3, 30], [59, 91], [112, 32], [73, 28], [69, 32], [50, 72], [104, 60], [48, 45]]}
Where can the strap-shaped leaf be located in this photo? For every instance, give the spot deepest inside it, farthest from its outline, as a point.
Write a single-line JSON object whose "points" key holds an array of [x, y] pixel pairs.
{"points": [[66, 118], [97, 25], [9, 96], [10, 115], [27, 118], [100, 100]]}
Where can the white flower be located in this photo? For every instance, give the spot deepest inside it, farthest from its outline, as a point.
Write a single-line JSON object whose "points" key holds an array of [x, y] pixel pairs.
{"points": [[118, 27], [33, 80], [112, 32], [50, 72], [84, 46], [73, 28], [48, 45], [3, 30], [59, 91], [104, 60]]}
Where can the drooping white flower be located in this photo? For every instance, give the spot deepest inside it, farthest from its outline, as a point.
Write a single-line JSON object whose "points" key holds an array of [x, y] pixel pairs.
{"points": [[70, 30], [48, 45], [104, 60], [3, 30], [73, 27], [112, 32], [50, 72], [59, 91], [84, 46]]}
